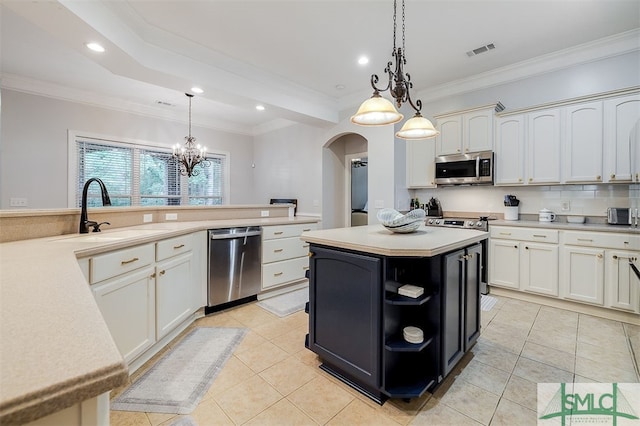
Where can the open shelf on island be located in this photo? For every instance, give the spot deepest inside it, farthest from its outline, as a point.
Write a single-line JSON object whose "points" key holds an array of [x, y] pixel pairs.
{"points": [[398, 299], [398, 344], [413, 389]]}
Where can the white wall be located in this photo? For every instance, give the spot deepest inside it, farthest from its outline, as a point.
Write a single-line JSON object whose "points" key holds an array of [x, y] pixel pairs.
{"points": [[33, 146]]}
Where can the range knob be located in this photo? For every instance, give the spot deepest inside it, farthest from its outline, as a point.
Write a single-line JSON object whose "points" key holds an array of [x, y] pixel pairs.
{"points": [[437, 221], [470, 223], [430, 221], [479, 224]]}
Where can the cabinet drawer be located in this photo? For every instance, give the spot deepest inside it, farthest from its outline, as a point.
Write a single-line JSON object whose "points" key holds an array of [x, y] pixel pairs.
{"points": [[286, 231], [277, 273], [173, 246], [602, 239], [524, 234], [283, 248], [112, 264]]}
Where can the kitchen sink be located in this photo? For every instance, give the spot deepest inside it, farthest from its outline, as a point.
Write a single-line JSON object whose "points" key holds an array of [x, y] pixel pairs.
{"points": [[107, 236]]}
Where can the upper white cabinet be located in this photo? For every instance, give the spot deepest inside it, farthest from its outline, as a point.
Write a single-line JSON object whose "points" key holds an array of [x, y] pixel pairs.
{"points": [[583, 142], [528, 148], [465, 131], [622, 139], [421, 167]]}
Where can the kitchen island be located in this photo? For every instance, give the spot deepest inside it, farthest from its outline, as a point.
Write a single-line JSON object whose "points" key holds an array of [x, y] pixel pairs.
{"points": [[357, 316]]}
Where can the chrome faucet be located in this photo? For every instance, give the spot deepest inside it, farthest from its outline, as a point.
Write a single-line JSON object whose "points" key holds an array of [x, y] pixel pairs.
{"points": [[85, 223]]}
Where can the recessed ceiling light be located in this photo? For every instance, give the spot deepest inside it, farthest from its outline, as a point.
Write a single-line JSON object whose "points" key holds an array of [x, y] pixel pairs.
{"points": [[340, 86], [197, 90], [96, 47], [363, 60], [260, 107]]}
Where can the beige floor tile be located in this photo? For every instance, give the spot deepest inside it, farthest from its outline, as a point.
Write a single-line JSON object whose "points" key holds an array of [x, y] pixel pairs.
{"points": [[435, 413], [550, 326], [288, 375], [320, 399], [233, 373], [581, 379], [292, 341], [282, 413], [359, 413], [525, 308], [506, 328], [210, 413], [619, 356], [521, 391], [471, 400], [128, 418], [218, 319], [309, 358], [503, 339], [273, 329], [252, 315], [550, 356], [403, 412], [262, 356], [522, 321], [250, 340], [603, 371], [554, 340], [485, 377], [588, 322], [160, 418], [562, 316], [596, 337], [633, 333], [494, 356], [247, 399], [509, 413], [541, 373]]}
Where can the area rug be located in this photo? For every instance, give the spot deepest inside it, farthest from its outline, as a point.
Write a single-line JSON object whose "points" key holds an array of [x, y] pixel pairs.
{"points": [[287, 303], [487, 302], [177, 382]]}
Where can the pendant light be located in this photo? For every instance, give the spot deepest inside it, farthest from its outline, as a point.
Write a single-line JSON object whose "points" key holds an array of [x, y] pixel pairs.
{"points": [[378, 111], [190, 155]]}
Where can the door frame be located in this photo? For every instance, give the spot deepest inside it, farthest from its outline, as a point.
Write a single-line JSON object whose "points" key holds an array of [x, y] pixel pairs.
{"points": [[347, 183]]}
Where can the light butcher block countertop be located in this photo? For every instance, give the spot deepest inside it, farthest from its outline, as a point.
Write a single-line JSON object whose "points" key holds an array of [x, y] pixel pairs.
{"points": [[55, 348], [376, 239]]}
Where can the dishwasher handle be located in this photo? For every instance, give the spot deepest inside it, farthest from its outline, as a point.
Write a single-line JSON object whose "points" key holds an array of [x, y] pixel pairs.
{"points": [[229, 236]]}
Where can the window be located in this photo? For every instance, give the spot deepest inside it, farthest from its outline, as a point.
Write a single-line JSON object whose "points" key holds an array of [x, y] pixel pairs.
{"points": [[140, 174]]}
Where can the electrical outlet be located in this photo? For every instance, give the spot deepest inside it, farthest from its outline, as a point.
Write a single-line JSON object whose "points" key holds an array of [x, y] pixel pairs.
{"points": [[264, 213], [18, 202], [147, 218], [565, 206], [171, 216]]}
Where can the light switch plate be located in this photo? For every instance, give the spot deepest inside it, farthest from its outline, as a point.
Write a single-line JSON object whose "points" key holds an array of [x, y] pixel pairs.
{"points": [[18, 202], [171, 216], [565, 206], [264, 213]]}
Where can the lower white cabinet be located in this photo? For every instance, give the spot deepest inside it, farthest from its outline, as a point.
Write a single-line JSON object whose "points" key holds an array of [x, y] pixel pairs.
{"points": [[539, 264], [624, 285], [128, 306], [583, 276], [174, 293], [504, 268]]}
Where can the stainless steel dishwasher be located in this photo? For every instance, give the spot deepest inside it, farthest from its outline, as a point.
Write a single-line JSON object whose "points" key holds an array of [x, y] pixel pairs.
{"points": [[234, 270]]}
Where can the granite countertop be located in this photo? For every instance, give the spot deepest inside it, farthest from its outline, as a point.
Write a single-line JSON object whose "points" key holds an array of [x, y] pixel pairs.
{"points": [[376, 239], [56, 349], [596, 227]]}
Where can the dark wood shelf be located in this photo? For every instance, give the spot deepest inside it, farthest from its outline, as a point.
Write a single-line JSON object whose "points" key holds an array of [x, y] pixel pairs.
{"points": [[397, 344], [398, 299], [410, 390]]}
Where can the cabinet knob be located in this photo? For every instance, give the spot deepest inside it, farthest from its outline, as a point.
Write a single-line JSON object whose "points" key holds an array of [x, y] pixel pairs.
{"points": [[519, 179], [598, 177], [515, 247], [526, 247], [530, 179], [599, 256], [163, 272], [466, 150], [613, 176]]}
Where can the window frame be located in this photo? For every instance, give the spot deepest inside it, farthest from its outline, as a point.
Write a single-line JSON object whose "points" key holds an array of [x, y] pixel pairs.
{"points": [[72, 170]]}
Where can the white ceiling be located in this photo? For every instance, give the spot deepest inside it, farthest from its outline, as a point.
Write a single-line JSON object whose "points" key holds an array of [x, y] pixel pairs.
{"points": [[287, 55]]}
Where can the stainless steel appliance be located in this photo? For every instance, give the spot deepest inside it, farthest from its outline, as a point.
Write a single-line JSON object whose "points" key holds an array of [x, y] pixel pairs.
{"points": [[479, 224], [234, 268], [622, 216], [473, 168]]}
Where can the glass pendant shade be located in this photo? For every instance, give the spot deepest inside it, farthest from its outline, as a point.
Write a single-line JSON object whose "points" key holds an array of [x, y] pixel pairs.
{"points": [[417, 127], [376, 111]]}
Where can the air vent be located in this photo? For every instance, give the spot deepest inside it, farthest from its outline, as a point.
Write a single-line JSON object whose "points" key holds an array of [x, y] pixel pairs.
{"points": [[480, 50], [163, 103]]}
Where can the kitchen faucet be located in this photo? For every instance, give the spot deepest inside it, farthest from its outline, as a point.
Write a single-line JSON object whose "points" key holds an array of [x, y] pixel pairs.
{"points": [[85, 223]]}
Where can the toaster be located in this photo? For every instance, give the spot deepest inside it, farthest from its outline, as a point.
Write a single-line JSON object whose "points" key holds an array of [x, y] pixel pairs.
{"points": [[619, 216]]}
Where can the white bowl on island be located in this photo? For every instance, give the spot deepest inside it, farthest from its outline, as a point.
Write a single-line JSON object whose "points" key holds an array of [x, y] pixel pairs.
{"points": [[400, 223]]}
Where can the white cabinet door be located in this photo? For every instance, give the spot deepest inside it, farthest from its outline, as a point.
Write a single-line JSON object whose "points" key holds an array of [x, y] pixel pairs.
{"points": [[623, 286], [449, 141], [504, 269], [583, 276], [509, 150], [543, 147], [539, 268], [621, 122], [127, 304], [421, 167], [583, 142], [175, 292], [477, 131]]}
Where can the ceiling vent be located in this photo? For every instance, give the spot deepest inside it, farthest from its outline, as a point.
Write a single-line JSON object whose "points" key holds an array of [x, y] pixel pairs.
{"points": [[163, 103], [481, 49]]}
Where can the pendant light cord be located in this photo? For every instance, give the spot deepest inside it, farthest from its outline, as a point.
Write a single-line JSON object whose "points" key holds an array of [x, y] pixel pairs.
{"points": [[189, 117]]}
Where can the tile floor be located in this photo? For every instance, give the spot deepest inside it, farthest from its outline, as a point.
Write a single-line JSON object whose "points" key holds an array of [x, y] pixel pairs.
{"points": [[273, 380]]}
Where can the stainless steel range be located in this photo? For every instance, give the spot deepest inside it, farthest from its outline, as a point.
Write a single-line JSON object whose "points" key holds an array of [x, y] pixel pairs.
{"points": [[480, 224]]}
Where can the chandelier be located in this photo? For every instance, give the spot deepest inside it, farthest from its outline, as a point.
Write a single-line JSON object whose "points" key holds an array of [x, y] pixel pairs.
{"points": [[190, 155], [379, 111]]}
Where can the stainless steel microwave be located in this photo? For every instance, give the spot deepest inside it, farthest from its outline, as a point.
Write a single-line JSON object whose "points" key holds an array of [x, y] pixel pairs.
{"points": [[473, 168]]}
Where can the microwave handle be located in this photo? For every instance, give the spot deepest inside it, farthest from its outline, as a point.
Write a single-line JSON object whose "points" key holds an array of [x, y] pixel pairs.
{"points": [[478, 168]]}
